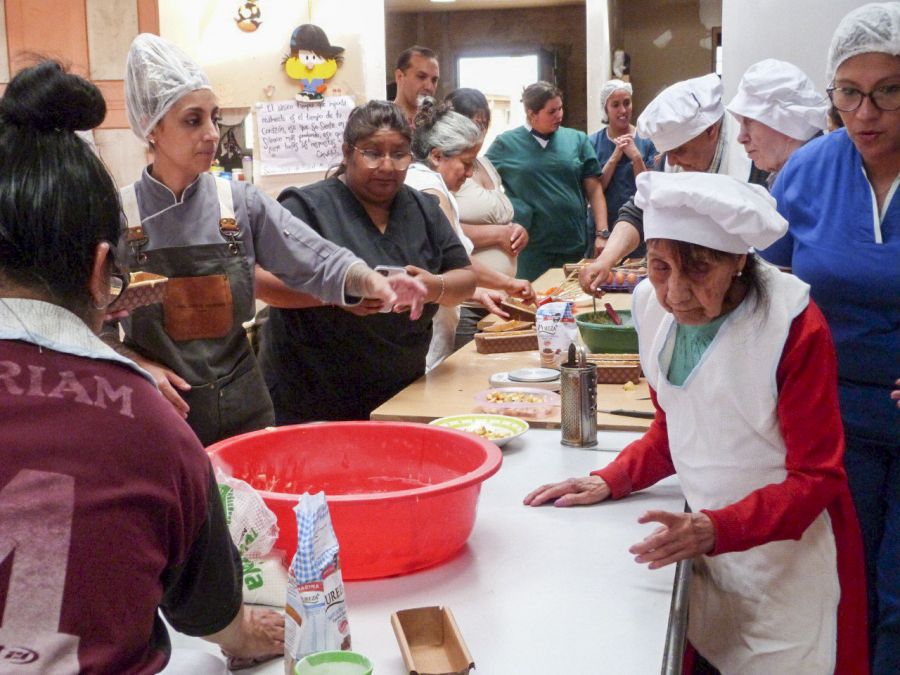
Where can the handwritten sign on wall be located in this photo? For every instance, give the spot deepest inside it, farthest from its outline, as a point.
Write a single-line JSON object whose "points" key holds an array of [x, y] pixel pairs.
{"points": [[297, 137]]}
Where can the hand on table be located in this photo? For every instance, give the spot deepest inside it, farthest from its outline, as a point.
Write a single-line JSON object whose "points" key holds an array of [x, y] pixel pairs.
{"points": [[255, 635], [572, 492], [681, 536]]}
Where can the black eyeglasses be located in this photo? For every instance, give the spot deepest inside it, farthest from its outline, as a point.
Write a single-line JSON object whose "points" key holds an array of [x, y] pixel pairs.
{"points": [[373, 158], [118, 280], [848, 99]]}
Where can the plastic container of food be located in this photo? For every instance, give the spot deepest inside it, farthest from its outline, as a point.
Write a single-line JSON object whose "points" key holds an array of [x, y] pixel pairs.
{"points": [[624, 279], [602, 336], [334, 663], [402, 496], [518, 401]]}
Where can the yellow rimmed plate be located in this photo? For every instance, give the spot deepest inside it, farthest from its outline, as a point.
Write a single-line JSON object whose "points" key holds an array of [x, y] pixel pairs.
{"points": [[499, 429]]}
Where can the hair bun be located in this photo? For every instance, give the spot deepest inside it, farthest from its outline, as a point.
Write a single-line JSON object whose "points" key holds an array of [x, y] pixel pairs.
{"points": [[45, 97], [429, 112]]}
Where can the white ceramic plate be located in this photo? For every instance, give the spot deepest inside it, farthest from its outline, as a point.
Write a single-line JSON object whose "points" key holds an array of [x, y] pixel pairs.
{"points": [[485, 426]]}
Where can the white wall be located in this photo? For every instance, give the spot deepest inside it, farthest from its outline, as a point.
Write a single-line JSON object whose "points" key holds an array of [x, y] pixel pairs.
{"points": [[245, 68], [798, 31], [599, 63]]}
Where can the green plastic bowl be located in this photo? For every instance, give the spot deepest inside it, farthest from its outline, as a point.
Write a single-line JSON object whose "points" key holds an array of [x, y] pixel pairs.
{"points": [[334, 663], [602, 336]]}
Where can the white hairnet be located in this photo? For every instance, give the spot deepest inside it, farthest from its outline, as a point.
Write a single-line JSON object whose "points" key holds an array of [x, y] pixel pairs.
{"points": [[781, 96], [712, 210], [157, 74], [871, 28], [612, 86]]}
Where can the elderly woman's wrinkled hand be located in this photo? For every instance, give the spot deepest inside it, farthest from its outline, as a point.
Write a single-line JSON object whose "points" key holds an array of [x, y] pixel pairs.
{"points": [[681, 536], [578, 491]]}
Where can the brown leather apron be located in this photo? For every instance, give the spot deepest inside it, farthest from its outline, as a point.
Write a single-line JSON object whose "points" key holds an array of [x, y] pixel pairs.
{"points": [[197, 330]]}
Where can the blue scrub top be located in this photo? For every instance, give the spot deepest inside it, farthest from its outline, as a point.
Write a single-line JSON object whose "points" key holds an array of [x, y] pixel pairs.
{"points": [[852, 264]]}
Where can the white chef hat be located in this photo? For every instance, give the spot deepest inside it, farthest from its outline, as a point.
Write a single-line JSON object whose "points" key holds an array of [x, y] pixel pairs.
{"points": [[712, 210], [682, 111], [157, 74], [871, 28], [781, 96], [612, 86]]}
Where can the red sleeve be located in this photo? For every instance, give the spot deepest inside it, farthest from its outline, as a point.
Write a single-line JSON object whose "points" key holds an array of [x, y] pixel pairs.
{"points": [[643, 462], [810, 424]]}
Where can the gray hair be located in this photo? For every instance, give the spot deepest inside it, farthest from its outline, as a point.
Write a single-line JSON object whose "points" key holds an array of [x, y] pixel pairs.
{"points": [[438, 126]]}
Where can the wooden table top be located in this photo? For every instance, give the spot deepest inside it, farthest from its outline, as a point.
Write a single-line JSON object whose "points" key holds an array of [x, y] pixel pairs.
{"points": [[450, 388]]}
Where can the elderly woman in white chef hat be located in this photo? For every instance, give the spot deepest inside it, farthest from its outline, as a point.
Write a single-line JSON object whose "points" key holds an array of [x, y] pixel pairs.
{"points": [[742, 373], [686, 122], [206, 234], [779, 110]]}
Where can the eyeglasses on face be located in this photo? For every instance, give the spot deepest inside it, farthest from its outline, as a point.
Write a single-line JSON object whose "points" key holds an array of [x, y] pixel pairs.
{"points": [[373, 158], [118, 279], [848, 99]]}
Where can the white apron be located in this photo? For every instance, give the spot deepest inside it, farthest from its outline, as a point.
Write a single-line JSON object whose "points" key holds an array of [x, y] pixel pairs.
{"points": [[773, 608]]}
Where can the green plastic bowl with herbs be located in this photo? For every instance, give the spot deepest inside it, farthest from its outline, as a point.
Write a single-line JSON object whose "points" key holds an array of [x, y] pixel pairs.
{"points": [[602, 336]]}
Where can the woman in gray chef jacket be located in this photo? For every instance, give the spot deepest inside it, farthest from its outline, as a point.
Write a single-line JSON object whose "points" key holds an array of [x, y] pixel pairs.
{"points": [[206, 235]]}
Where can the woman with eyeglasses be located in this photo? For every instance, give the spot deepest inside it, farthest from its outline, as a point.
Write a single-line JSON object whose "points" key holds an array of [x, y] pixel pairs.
{"points": [[206, 235], [445, 146], [109, 511], [840, 195], [323, 362]]}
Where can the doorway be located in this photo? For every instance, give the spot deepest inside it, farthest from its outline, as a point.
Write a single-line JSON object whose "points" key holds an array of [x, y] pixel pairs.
{"points": [[501, 79]]}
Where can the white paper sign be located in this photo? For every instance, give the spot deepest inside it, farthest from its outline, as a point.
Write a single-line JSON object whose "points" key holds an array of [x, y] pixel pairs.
{"points": [[297, 137]]}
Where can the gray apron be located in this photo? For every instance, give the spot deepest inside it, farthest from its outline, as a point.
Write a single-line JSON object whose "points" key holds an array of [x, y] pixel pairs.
{"points": [[197, 331]]}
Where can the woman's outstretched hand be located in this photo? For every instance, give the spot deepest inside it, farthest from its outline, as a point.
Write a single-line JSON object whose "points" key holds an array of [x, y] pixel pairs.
{"points": [[681, 536]]}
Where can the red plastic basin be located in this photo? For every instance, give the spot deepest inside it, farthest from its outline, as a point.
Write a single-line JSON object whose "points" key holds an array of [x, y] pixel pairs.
{"points": [[402, 496]]}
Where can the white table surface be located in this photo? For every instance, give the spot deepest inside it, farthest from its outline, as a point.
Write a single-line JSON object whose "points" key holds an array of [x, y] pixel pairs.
{"points": [[543, 591]]}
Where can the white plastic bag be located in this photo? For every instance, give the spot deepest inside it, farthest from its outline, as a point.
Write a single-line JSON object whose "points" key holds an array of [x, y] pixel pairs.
{"points": [[316, 613], [254, 529], [556, 330]]}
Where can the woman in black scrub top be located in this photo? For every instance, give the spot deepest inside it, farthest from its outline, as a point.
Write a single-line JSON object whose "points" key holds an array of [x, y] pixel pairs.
{"points": [[333, 363]]}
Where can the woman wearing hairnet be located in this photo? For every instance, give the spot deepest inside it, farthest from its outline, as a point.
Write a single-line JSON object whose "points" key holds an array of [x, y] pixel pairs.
{"points": [[742, 372], [206, 234], [622, 153], [840, 195], [779, 110]]}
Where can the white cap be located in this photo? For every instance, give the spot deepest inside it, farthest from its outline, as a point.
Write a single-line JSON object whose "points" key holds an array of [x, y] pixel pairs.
{"points": [[157, 74], [781, 96], [712, 210], [682, 112], [612, 86], [871, 28]]}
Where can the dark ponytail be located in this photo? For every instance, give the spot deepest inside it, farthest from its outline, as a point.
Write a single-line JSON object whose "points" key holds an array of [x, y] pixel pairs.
{"points": [[57, 200]]}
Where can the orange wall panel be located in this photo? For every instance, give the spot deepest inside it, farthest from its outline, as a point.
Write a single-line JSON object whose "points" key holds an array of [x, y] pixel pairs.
{"points": [[114, 94], [48, 27]]}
